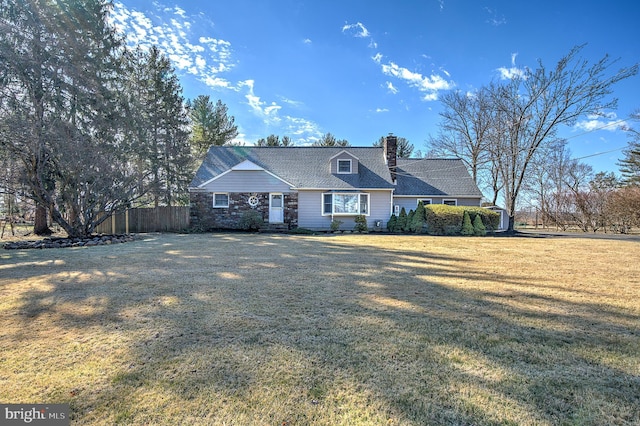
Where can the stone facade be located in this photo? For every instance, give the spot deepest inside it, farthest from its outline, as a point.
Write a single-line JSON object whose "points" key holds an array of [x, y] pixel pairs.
{"points": [[204, 217]]}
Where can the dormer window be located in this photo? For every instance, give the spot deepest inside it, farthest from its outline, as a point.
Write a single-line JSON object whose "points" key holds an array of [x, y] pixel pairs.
{"points": [[344, 166]]}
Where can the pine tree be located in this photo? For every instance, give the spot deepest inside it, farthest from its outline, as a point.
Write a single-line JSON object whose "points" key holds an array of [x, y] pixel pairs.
{"points": [[210, 125], [630, 164], [161, 137], [65, 116]]}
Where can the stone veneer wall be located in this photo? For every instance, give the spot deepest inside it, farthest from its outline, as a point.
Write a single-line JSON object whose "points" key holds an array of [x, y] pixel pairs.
{"points": [[206, 218]]}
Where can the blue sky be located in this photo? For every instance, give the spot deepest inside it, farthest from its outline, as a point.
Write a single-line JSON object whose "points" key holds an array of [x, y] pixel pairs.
{"points": [[362, 69]]}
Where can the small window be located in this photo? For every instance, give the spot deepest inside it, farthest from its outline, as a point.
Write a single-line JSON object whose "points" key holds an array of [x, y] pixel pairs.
{"points": [[396, 210], [327, 203], [344, 166], [220, 200], [450, 202], [425, 201]]}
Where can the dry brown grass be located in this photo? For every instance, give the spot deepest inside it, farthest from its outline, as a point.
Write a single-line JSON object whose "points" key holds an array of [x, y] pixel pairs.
{"points": [[354, 330]]}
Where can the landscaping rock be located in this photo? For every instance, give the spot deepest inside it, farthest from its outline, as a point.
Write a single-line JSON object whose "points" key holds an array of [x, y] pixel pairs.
{"points": [[56, 242]]}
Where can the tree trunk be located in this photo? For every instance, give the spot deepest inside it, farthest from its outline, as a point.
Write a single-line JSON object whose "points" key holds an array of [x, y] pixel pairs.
{"points": [[40, 226]]}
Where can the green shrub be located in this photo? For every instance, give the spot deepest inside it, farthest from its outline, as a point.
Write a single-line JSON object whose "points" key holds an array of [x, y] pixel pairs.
{"points": [[490, 219], [467, 227], [335, 225], [402, 220], [361, 224], [478, 226], [392, 223], [443, 219], [417, 223], [409, 222], [251, 220]]}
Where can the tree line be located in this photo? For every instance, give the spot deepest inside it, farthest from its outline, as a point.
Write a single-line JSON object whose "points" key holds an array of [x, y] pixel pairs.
{"points": [[507, 132], [88, 125]]}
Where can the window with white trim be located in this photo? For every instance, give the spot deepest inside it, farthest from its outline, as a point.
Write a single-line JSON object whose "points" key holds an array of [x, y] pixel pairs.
{"points": [[344, 166], [450, 202], [425, 201], [342, 203], [220, 200]]}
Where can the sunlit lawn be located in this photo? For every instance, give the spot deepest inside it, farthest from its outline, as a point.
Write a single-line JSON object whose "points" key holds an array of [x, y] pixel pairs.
{"points": [[351, 329]]}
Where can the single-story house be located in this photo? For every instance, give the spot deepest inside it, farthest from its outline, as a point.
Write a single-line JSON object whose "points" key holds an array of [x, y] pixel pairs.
{"points": [[309, 187]]}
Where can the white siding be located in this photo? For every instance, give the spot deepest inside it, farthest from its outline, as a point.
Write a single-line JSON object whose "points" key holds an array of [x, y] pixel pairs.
{"points": [[247, 181], [310, 210]]}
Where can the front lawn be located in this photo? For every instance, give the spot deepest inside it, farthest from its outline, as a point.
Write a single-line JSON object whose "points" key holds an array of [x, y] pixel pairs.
{"points": [[350, 329]]}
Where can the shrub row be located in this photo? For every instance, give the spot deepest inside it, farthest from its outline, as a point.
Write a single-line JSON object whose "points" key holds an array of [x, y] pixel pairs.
{"points": [[441, 219]]}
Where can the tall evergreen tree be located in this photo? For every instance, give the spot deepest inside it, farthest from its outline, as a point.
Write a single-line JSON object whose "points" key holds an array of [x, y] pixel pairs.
{"points": [[630, 164], [60, 81], [160, 132], [210, 125]]}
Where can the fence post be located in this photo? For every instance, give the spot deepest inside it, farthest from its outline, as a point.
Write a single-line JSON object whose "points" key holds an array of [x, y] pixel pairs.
{"points": [[126, 221], [113, 223]]}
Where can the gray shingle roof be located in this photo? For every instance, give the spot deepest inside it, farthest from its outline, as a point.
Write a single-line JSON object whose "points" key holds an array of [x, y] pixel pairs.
{"points": [[303, 167], [308, 167], [434, 176]]}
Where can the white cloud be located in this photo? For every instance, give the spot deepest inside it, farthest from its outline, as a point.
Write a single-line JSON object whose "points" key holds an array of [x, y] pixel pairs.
{"points": [[382, 110], [307, 41], [377, 58], [605, 121], [356, 30], [513, 71], [269, 114], [494, 18], [391, 88], [170, 30], [430, 85], [359, 30]]}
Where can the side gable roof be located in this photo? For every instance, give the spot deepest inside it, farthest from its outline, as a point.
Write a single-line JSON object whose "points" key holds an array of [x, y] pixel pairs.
{"points": [[303, 167], [434, 176]]}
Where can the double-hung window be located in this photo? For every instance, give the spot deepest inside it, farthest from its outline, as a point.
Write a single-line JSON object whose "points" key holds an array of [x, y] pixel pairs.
{"points": [[344, 166], [220, 200], [345, 203]]}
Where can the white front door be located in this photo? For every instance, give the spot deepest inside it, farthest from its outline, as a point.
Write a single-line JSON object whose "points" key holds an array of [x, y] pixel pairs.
{"points": [[276, 208]]}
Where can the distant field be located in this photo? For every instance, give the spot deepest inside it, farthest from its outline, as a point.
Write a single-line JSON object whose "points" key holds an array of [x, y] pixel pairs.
{"points": [[331, 330]]}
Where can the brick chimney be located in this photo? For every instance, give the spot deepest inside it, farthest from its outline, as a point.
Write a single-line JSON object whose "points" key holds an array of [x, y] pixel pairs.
{"points": [[390, 147]]}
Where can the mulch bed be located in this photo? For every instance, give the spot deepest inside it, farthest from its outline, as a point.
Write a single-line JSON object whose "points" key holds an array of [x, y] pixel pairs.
{"points": [[59, 242]]}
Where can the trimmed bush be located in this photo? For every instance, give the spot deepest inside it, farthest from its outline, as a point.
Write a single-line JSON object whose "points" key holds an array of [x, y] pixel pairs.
{"points": [[478, 226], [361, 224], [467, 227], [335, 225], [251, 220], [442, 219]]}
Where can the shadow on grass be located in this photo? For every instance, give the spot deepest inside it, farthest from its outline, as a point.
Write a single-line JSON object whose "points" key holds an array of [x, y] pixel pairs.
{"points": [[272, 329]]}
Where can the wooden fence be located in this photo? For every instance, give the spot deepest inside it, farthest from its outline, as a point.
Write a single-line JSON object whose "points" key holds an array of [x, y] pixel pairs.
{"points": [[158, 219]]}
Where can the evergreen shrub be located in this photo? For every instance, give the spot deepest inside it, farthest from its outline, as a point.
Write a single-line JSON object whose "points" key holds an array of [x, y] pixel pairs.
{"points": [[478, 226], [251, 220], [467, 227], [392, 223], [361, 224]]}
